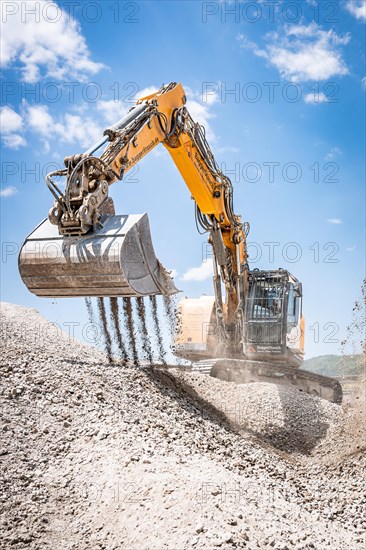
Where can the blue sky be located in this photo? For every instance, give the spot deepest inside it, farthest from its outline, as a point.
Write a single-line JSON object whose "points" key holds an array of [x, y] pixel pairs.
{"points": [[280, 87]]}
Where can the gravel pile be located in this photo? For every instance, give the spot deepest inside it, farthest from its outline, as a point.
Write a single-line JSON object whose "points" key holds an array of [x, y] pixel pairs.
{"points": [[96, 456], [347, 437], [281, 415]]}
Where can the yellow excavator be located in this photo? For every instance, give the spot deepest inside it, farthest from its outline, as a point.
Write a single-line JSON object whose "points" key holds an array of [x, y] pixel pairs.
{"points": [[251, 329]]}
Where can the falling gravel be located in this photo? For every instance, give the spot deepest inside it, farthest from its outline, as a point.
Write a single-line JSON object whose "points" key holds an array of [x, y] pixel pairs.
{"points": [[157, 329], [169, 310], [144, 333], [97, 456], [117, 330], [89, 309], [130, 329], [106, 333]]}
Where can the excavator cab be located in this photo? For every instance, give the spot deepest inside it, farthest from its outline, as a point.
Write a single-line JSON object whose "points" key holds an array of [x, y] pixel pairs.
{"points": [[273, 324], [273, 317]]}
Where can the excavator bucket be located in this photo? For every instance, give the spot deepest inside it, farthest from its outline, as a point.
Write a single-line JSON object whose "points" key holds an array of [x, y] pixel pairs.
{"points": [[118, 259]]}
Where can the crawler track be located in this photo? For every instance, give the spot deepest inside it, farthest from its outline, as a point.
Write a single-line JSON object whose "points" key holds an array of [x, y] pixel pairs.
{"points": [[244, 371]]}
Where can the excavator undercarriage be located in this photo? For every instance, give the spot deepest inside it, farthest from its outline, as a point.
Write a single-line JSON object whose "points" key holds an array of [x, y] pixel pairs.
{"points": [[246, 371], [271, 349]]}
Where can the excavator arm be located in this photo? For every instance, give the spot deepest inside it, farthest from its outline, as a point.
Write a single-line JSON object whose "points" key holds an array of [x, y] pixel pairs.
{"points": [[161, 117]]}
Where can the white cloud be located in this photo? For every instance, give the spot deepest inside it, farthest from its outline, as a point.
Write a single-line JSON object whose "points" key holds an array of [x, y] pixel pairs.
{"points": [[200, 111], [334, 221], [303, 52], [112, 110], [202, 273], [245, 42], [227, 149], [210, 98], [69, 128], [316, 99], [332, 154], [40, 120], [357, 8], [46, 145], [211, 92], [11, 123], [351, 248], [47, 43], [8, 191], [146, 92], [74, 128], [363, 81], [13, 141]]}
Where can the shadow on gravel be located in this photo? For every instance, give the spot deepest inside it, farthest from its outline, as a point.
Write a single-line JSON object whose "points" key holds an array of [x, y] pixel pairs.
{"points": [[172, 387], [299, 435], [301, 432]]}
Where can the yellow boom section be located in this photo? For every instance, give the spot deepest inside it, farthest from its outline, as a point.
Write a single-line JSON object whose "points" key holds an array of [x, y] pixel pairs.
{"points": [[184, 153], [207, 190]]}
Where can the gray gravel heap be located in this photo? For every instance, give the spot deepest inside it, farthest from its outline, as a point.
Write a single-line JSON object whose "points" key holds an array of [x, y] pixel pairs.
{"points": [[97, 456], [288, 419]]}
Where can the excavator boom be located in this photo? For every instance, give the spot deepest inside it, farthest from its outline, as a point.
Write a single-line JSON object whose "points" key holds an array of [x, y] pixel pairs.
{"points": [[84, 249]]}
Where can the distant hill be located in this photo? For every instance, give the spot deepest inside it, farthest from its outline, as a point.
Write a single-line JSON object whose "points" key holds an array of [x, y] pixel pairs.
{"points": [[335, 365]]}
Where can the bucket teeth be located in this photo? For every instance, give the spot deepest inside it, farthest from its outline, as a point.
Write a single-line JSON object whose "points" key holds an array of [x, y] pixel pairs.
{"points": [[117, 259]]}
